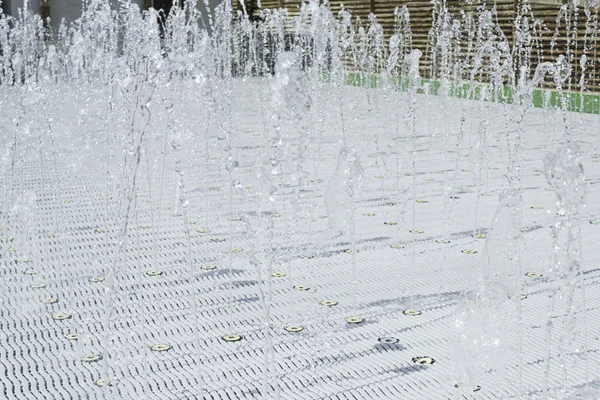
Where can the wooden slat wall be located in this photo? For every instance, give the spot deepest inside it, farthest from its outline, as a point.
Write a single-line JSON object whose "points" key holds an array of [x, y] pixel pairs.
{"points": [[270, 4], [421, 13], [420, 19], [293, 6], [576, 38], [503, 12], [358, 8]]}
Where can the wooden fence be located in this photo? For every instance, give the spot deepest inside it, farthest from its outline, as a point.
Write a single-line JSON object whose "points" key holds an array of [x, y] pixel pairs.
{"points": [[570, 33]]}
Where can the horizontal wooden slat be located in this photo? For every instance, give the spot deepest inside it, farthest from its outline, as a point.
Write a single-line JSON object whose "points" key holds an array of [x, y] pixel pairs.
{"points": [[557, 32]]}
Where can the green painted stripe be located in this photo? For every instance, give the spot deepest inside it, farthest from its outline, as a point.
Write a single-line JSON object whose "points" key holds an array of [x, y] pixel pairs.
{"points": [[591, 102]]}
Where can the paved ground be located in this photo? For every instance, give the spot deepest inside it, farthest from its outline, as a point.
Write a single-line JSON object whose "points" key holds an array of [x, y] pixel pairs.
{"points": [[202, 261]]}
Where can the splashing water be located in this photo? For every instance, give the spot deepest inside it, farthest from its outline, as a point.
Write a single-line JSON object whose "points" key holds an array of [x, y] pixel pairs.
{"points": [[565, 174], [268, 113], [342, 192], [482, 347]]}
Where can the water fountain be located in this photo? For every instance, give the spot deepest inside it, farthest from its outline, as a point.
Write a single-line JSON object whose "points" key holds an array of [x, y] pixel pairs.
{"points": [[300, 203]]}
